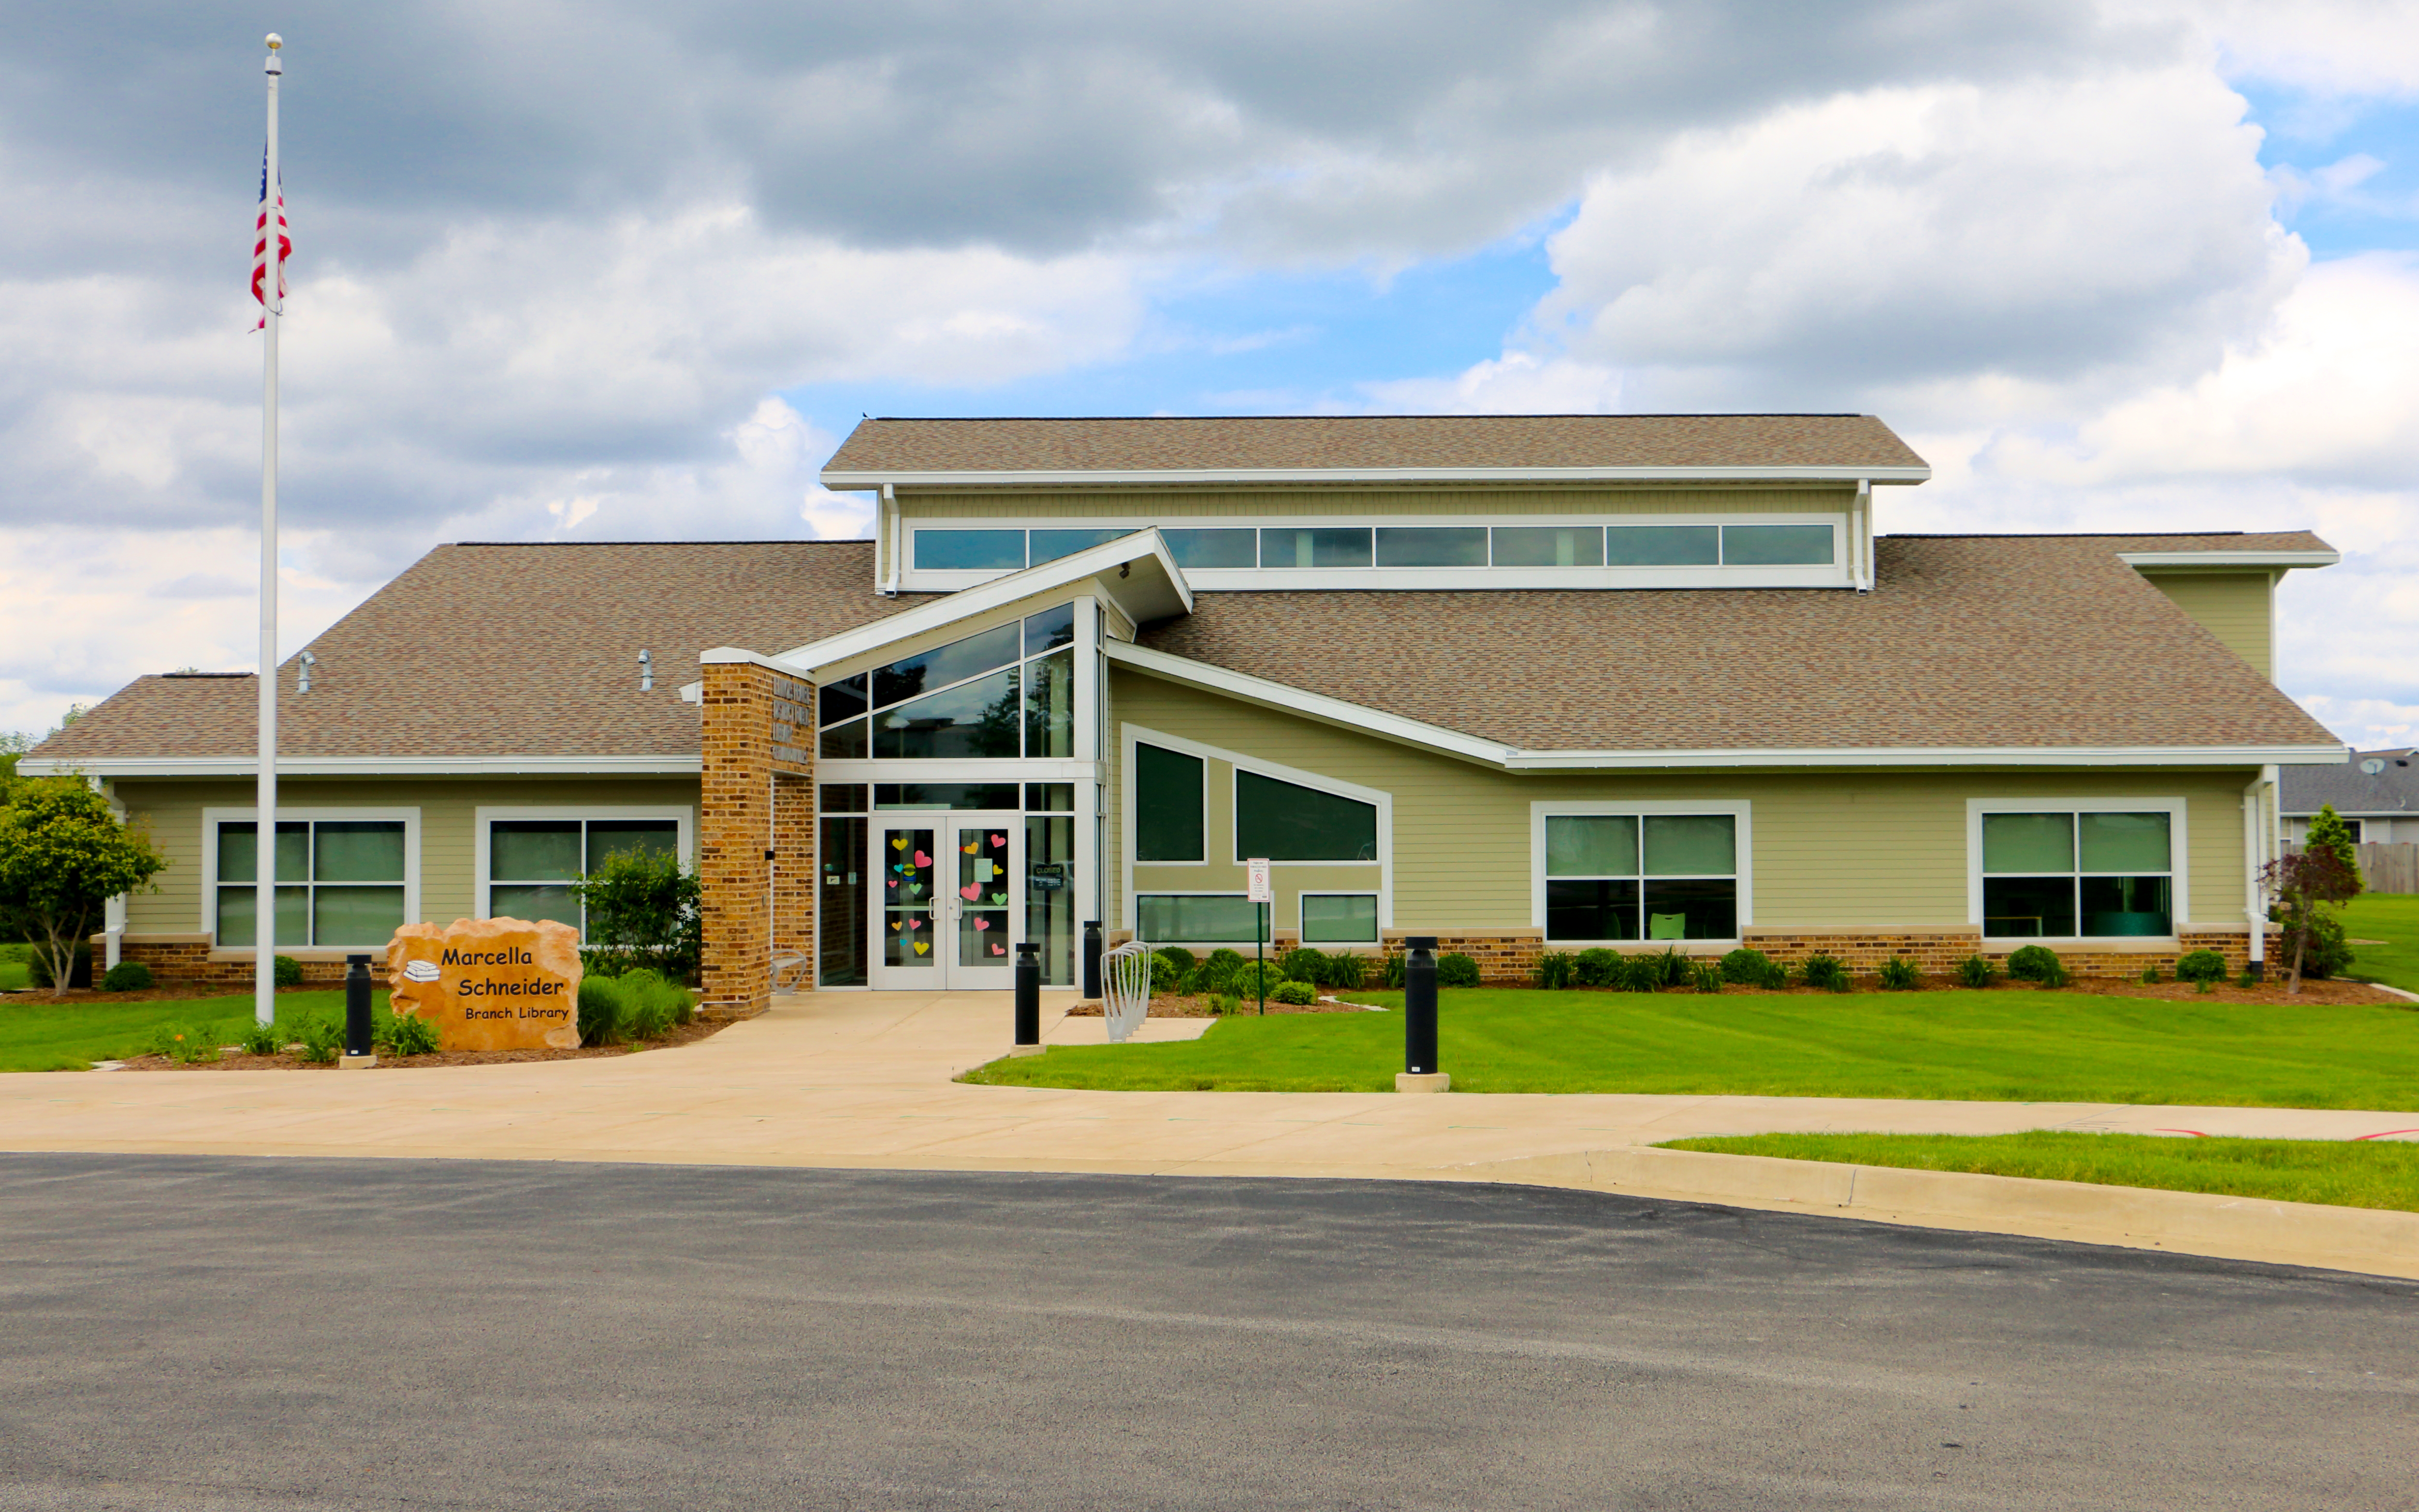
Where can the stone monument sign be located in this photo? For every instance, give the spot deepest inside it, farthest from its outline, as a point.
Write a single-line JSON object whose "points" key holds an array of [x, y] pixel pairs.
{"points": [[490, 983]]}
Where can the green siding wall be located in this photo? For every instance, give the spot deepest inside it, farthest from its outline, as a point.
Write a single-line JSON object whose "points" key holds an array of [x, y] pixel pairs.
{"points": [[448, 852], [1167, 504], [2232, 606], [1830, 849]]}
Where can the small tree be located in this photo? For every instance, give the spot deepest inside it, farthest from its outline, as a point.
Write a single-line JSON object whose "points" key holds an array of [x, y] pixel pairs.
{"points": [[2329, 832], [2302, 880], [63, 855], [643, 911]]}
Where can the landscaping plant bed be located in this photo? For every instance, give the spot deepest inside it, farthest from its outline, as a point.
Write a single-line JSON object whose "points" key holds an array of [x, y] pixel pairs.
{"points": [[2331, 990], [236, 1060]]}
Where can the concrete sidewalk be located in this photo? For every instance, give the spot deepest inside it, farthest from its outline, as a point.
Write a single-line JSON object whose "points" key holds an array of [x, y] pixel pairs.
{"points": [[862, 1080]]}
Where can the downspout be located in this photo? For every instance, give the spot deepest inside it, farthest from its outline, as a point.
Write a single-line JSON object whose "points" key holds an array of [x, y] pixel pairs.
{"points": [[113, 911], [2259, 846], [890, 540], [1861, 525]]}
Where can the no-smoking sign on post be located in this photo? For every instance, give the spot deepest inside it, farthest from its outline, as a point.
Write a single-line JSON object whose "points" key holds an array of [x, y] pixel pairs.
{"points": [[1258, 889]]}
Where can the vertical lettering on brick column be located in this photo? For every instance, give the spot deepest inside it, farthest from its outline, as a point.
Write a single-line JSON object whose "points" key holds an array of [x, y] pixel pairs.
{"points": [[755, 726]]}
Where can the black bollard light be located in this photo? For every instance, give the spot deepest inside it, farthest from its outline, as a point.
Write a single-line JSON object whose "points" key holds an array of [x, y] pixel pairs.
{"points": [[357, 1006], [1028, 1001], [1092, 960], [1420, 1072]]}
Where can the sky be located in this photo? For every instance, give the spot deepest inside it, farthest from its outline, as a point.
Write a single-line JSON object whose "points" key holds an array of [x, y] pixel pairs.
{"points": [[614, 271]]}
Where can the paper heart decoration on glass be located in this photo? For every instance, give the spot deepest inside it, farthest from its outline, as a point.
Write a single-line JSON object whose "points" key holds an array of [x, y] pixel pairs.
{"points": [[971, 846], [922, 859], [894, 881], [914, 923], [969, 892], [915, 890], [982, 923], [1000, 839], [921, 947], [898, 844], [999, 898], [895, 924], [999, 949]]}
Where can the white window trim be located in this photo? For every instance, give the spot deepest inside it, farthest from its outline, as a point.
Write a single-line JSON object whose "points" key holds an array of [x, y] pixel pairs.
{"points": [[1740, 809], [1839, 573], [1128, 736], [483, 817], [1301, 926], [212, 818], [2179, 858]]}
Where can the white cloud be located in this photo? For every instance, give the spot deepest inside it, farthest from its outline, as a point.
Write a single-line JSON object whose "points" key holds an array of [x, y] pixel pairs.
{"points": [[1514, 384]]}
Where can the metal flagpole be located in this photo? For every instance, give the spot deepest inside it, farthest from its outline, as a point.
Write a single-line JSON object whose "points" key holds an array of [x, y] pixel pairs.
{"points": [[272, 231]]}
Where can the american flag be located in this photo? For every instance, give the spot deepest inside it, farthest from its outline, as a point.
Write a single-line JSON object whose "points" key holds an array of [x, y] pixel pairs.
{"points": [[260, 243]]}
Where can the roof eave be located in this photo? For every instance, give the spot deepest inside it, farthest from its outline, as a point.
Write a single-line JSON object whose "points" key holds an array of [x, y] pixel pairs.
{"points": [[2255, 557], [1128, 477], [226, 766]]}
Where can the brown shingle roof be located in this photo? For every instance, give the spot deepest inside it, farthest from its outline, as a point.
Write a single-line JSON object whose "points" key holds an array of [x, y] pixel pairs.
{"points": [[1298, 443], [1965, 641], [512, 651], [1974, 641]]}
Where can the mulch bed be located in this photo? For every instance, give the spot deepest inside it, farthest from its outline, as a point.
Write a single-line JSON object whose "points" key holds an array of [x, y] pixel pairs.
{"points": [[237, 1060]]}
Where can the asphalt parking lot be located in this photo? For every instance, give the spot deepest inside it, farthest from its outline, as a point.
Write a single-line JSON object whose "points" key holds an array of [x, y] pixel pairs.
{"points": [[219, 1334]]}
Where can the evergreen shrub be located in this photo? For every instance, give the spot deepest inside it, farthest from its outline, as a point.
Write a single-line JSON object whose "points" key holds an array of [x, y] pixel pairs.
{"points": [[1303, 963], [127, 977], [2037, 962], [1300, 994], [2200, 965], [1454, 969], [1597, 968], [1747, 967]]}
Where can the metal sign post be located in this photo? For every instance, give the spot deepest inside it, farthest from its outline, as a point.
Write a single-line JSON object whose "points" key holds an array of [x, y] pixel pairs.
{"points": [[1261, 893]]}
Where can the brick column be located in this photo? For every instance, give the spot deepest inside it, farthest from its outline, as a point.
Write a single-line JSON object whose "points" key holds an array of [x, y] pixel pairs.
{"points": [[756, 724]]}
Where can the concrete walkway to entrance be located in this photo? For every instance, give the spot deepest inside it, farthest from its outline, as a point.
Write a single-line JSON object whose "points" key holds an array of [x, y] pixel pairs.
{"points": [[864, 1080]]}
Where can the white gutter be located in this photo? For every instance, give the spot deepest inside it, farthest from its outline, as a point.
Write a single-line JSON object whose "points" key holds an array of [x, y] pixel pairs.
{"points": [[2255, 857], [1131, 476], [118, 766], [889, 515], [1396, 727], [2230, 559]]}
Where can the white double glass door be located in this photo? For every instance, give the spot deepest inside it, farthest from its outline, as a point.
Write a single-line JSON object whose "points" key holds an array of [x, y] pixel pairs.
{"points": [[950, 909]]}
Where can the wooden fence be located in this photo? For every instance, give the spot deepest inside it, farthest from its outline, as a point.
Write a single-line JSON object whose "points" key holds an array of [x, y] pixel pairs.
{"points": [[2390, 868]]}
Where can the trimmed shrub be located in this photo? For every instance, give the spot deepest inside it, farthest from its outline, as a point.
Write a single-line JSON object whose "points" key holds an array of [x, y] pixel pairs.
{"points": [[127, 977], [1223, 962], [1555, 969], [1250, 976], [1976, 971], [1900, 976], [285, 971], [1346, 971], [1305, 964], [1826, 973], [1705, 976], [1597, 968], [1454, 969], [1166, 977], [1749, 968], [2151, 974], [406, 1034], [2200, 965], [2037, 962], [1184, 960], [1300, 994]]}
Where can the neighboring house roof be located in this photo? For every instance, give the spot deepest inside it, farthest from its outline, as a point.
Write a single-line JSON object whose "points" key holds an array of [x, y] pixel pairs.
{"points": [[503, 653], [2394, 789], [509, 657], [1297, 447], [1965, 644]]}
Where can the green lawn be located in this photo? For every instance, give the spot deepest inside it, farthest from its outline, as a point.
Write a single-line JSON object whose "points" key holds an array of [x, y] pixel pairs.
{"points": [[15, 976], [2004, 1046], [2392, 917], [39, 1035], [2348, 1174]]}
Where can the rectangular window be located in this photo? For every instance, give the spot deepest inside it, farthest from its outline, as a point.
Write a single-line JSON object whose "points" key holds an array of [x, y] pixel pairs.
{"points": [[841, 797], [1641, 877], [949, 702], [1339, 918], [1168, 823], [1777, 546], [1049, 546], [840, 902], [969, 550], [1187, 918], [2067, 875], [532, 862], [977, 719], [1285, 822], [1050, 705], [1050, 892], [1661, 546], [943, 665], [1315, 546], [945, 795], [1458, 546], [1050, 797], [1549, 546], [1213, 549], [340, 882]]}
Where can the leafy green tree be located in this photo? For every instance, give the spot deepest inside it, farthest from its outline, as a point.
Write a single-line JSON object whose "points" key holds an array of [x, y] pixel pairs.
{"points": [[63, 855], [2328, 831], [643, 911], [2302, 880]]}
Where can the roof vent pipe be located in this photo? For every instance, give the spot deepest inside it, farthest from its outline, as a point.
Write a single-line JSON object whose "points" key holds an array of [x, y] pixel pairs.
{"points": [[646, 671], [302, 673]]}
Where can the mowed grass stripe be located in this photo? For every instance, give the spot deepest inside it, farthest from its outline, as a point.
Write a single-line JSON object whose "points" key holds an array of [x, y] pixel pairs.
{"points": [[39, 1035], [2342, 1173], [2001, 1047]]}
